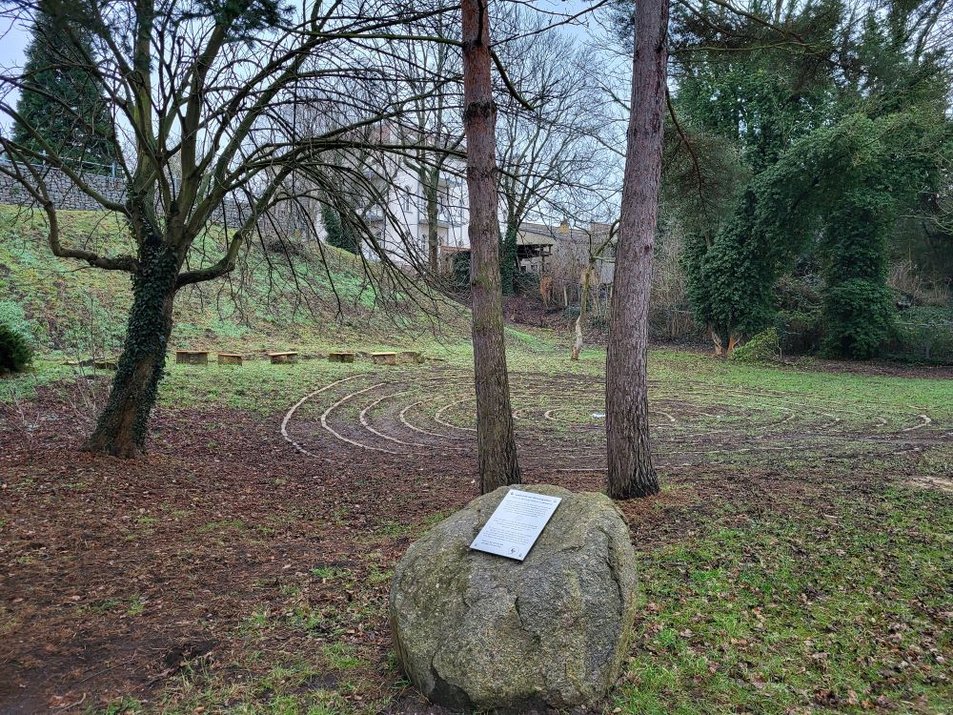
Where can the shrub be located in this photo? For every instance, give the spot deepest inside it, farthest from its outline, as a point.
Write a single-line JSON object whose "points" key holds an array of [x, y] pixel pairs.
{"points": [[858, 319], [799, 320], [15, 350], [460, 273], [670, 314], [763, 347], [599, 321], [800, 331], [905, 279], [924, 335], [526, 283]]}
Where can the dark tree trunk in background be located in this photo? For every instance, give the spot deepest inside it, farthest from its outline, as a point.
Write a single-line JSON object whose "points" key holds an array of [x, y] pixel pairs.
{"points": [[122, 426], [509, 267], [631, 473], [496, 443], [431, 191]]}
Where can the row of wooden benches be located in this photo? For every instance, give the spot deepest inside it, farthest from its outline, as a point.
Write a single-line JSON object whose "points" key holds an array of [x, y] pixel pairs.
{"points": [[201, 357]]}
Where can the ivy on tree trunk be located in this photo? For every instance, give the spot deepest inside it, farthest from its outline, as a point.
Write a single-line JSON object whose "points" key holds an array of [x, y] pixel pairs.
{"points": [[122, 427]]}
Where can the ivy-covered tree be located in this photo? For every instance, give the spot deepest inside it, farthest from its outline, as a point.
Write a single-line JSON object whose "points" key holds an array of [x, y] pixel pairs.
{"points": [[897, 159], [62, 102], [339, 235], [840, 189], [842, 130]]}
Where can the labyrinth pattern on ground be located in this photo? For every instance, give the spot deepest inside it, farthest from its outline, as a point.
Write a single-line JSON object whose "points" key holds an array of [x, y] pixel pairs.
{"points": [[421, 412]]}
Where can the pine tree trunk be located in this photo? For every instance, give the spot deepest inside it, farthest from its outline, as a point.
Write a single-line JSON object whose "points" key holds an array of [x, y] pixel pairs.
{"points": [[496, 442], [123, 425], [631, 473]]}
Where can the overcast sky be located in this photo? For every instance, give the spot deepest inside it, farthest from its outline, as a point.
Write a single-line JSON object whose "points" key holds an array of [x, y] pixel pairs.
{"points": [[14, 37]]}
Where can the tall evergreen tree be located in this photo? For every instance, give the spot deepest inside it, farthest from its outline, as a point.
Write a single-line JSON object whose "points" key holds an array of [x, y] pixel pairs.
{"points": [[631, 472], [339, 235], [496, 437], [61, 109]]}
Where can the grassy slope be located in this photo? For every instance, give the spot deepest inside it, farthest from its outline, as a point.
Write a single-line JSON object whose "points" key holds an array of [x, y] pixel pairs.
{"points": [[73, 309]]}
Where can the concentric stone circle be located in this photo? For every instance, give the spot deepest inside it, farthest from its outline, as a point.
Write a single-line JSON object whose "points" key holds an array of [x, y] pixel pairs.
{"points": [[420, 412]]}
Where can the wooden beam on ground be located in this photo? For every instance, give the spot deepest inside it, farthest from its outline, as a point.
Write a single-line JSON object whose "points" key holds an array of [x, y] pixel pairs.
{"points": [[283, 358], [191, 357]]}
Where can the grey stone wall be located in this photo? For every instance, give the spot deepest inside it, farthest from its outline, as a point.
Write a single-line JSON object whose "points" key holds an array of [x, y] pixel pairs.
{"points": [[68, 197], [63, 191]]}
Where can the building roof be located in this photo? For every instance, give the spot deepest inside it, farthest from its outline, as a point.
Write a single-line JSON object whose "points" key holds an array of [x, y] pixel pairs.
{"points": [[540, 234]]}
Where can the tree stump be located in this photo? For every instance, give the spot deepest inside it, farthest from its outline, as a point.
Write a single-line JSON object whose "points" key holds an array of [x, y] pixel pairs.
{"points": [[341, 357], [229, 359], [283, 358], [384, 358], [191, 357]]}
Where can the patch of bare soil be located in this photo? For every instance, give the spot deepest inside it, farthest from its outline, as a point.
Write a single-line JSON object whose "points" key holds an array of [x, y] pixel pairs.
{"points": [[939, 483]]}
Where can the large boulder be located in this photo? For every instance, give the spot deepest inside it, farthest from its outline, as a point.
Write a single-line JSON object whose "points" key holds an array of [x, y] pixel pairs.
{"points": [[475, 631]]}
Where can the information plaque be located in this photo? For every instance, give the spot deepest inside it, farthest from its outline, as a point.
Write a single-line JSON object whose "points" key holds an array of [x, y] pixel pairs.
{"points": [[516, 524]]}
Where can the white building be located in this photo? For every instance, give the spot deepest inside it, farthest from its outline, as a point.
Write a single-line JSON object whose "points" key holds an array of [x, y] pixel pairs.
{"points": [[397, 213]]}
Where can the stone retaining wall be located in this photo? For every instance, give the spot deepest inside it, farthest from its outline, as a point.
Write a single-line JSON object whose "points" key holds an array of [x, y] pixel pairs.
{"points": [[67, 196]]}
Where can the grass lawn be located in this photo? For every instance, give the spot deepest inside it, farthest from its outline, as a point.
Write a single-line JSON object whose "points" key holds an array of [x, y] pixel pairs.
{"points": [[797, 560]]}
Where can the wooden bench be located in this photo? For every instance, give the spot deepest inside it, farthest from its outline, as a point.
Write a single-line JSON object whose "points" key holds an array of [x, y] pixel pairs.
{"points": [[384, 358], [191, 357], [283, 358], [410, 356], [341, 357], [229, 359], [106, 364]]}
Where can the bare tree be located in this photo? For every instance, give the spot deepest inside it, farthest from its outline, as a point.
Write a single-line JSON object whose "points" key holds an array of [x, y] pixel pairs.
{"points": [[551, 157], [433, 77], [496, 442], [631, 472], [199, 92]]}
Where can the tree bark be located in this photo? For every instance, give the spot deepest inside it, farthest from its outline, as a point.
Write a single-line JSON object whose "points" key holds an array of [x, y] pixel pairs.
{"points": [[433, 238], [496, 442], [123, 425], [583, 306], [631, 472]]}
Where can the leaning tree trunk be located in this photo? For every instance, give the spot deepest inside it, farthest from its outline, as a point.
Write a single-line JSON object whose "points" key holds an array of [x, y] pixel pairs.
{"points": [[583, 306], [123, 424], [496, 442], [631, 473]]}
